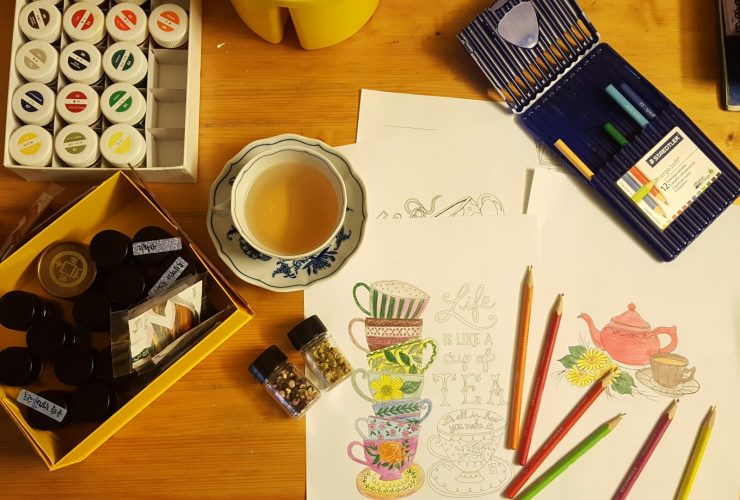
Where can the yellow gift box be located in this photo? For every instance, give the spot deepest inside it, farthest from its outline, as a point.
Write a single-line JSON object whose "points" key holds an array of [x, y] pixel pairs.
{"points": [[125, 204]]}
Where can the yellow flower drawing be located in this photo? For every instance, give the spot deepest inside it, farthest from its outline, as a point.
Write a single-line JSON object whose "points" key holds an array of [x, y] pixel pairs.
{"points": [[391, 452], [580, 378], [593, 360], [387, 388]]}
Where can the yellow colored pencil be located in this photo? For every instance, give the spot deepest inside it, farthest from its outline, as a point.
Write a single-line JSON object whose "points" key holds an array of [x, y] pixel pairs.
{"points": [[574, 159], [696, 455]]}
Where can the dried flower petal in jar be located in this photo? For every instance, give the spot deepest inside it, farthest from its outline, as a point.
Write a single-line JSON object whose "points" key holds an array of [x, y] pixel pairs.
{"points": [[320, 352]]}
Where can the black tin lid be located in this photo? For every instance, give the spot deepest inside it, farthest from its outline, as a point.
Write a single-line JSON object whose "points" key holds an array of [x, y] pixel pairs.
{"points": [[18, 309], [266, 362], [304, 332], [151, 233], [18, 367], [110, 248], [40, 421], [93, 402], [125, 286], [74, 365], [45, 338], [92, 310]]}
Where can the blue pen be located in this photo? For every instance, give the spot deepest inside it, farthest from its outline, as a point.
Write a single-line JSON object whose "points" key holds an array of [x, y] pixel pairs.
{"points": [[638, 101], [627, 106]]}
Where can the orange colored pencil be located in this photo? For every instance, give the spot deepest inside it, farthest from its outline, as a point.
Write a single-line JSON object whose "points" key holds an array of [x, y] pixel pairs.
{"points": [[644, 180], [539, 381], [560, 432], [515, 406]]}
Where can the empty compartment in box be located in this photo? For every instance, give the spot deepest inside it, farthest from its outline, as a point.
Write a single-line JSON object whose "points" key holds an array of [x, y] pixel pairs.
{"points": [[165, 147], [168, 69], [166, 108]]}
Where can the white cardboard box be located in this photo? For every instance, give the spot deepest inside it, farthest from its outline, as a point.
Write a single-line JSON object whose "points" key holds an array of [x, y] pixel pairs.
{"points": [[173, 107]]}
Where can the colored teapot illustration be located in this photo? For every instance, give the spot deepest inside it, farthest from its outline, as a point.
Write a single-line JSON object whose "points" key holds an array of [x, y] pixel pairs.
{"points": [[629, 339]]}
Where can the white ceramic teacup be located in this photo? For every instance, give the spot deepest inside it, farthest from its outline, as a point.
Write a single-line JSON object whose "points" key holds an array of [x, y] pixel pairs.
{"points": [[235, 206]]}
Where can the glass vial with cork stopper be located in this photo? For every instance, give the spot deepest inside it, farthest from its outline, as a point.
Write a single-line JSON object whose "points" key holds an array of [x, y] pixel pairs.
{"points": [[294, 392], [320, 352]]}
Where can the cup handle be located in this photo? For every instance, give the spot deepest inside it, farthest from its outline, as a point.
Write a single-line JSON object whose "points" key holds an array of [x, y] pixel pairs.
{"points": [[425, 404], [352, 335], [434, 444], [433, 343], [357, 427], [223, 209], [689, 375], [354, 295], [357, 388], [352, 456]]}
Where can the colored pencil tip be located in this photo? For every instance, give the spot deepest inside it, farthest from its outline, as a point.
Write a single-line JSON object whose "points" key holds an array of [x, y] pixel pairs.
{"points": [[606, 381], [559, 304], [671, 411], [712, 415], [530, 276], [613, 422]]}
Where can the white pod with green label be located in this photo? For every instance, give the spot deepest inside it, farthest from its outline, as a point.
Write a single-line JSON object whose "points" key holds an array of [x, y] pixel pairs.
{"points": [[37, 61], [126, 22], [124, 62], [41, 20], [123, 103], [168, 25], [33, 104], [81, 62], [123, 145], [77, 146], [78, 103], [84, 22], [31, 146]]}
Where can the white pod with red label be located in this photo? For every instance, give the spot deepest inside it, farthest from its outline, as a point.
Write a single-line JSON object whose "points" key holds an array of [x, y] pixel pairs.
{"points": [[123, 103], [33, 104], [41, 20], [126, 22], [31, 146], [78, 103], [81, 62], [124, 62], [37, 61], [84, 22], [123, 145], [77, 146], [168, 25]]}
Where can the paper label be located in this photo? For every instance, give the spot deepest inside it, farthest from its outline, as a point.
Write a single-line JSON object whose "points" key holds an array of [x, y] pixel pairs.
{"points": [[669, 178], [732, 17], [169, 277], [157, 246], [42, 405]]}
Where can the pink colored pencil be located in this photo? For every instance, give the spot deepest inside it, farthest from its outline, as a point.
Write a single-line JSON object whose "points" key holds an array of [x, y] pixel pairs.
{"points": [[539, 384], [647, 450]]}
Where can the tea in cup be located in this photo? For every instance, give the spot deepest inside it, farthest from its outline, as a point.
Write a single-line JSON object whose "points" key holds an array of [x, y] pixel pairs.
{"points": [[386, 428], [392, 299], [380, 333], [404, 410], [407, 357], [670, 370], [387, 457], [287, 202], [387, 386]]}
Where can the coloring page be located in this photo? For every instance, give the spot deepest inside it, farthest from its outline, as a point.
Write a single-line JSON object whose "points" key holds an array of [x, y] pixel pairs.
{"points": [[426, 313]]}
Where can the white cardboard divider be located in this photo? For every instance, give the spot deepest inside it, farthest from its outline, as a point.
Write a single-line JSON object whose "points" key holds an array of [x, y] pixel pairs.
{"points": [[173, 107]]}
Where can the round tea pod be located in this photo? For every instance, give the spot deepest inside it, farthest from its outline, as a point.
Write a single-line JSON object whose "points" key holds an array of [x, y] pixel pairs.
{"points": [[41, 20], [122, 145], [45, 338], [126, 22], [78, 103], [110, 248], [41, 421], [81, 62], [125, 286], [33, 104], [19, 310], [168, 25], [19, 367], [31, 146], [93, 402], [84, 22], [74, 365], [124, 62], [123, 103], [65, 269], [151, 234], [77, 146], [91, 311], [37, 61]]}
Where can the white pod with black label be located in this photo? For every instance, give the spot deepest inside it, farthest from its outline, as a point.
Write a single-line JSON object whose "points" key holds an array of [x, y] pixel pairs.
{"points": [[41, 20], [33, 104], [81, 62]]}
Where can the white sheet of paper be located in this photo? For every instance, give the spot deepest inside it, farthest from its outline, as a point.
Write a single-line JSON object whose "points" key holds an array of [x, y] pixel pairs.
{"points": [[472, 269], [442, 174], [602, 269]]}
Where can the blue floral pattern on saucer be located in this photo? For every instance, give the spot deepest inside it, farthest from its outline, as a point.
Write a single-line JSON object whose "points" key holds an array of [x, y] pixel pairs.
{"points": [[274, 273]]}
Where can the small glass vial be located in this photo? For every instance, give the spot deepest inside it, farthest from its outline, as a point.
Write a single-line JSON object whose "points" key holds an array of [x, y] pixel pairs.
{"points": [[321, 354], [123, 103], [41, 20], [84, 22], [33, 104], [284, 382], [122, 145], [81, 62], [31, 146], [124, 62], [77, 146], [38, 61], [126, 22], [78, 103], [168, 25]]}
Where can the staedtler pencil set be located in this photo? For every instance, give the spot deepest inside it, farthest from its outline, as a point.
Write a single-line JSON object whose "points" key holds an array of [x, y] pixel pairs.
{"points": [[629, 142]]}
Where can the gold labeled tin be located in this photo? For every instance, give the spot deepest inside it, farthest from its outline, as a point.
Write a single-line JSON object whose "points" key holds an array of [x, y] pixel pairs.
{"points": [[66, 269]]}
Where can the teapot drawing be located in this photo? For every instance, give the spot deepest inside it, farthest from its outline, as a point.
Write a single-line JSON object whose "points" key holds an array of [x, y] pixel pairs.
{"points": [[629, 339]]}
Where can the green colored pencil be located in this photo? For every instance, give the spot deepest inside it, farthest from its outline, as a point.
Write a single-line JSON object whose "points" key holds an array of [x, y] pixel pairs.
{"points": [[569, 458]]}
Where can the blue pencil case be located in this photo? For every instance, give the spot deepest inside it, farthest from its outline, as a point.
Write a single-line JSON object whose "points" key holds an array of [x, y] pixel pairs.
{"points": [[639, 152]]}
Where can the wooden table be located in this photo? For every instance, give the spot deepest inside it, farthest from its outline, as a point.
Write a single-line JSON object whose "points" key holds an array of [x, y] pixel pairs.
{"points": [[216, 432]]}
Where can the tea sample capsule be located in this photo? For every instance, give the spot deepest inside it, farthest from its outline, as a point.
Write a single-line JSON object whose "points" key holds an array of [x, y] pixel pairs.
{"points": [[122, 145], [320, 352], [294, 392], [84, 22], [41, 420], [78, 103], [19, 309], [81, 62], [34, 103], [110, 248], [124, 62], [47, 337], [41, 20], [65, 269], [126, 22], [92, 310], [37, 61], [74, 365], [123, 103], [18, 367], [168, 25], [31, 146], [77, 146], [124, 286], [93, 402]]}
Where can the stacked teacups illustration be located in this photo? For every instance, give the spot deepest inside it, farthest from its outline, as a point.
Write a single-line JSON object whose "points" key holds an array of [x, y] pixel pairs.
{"points": [[397, 357]]}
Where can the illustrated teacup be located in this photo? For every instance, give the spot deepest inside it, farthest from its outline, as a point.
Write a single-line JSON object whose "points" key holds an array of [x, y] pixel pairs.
{"points": [[386, 428], [669, 370], [392, 299], [287, 202], [380, 333], [386, 386], [407, 357], [468, 439], [404, 410], [387, 457]]}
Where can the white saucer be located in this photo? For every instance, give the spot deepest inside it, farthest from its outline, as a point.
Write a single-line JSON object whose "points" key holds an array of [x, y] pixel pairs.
{"points": [[270, 272], [646, 377], [442, 479]]}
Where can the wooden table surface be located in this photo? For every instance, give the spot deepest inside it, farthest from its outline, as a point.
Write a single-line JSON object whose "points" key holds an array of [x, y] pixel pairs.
{"points": [[215, 432]]}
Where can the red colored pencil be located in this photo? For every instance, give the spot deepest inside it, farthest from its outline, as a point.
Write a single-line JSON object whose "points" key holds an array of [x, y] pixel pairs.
{"points": [[575, 414], [647, 450], [539, 383]]}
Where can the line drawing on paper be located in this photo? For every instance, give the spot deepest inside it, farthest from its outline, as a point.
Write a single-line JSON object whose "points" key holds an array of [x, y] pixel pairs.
{"points": [[483, 204], [463, 302]]}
